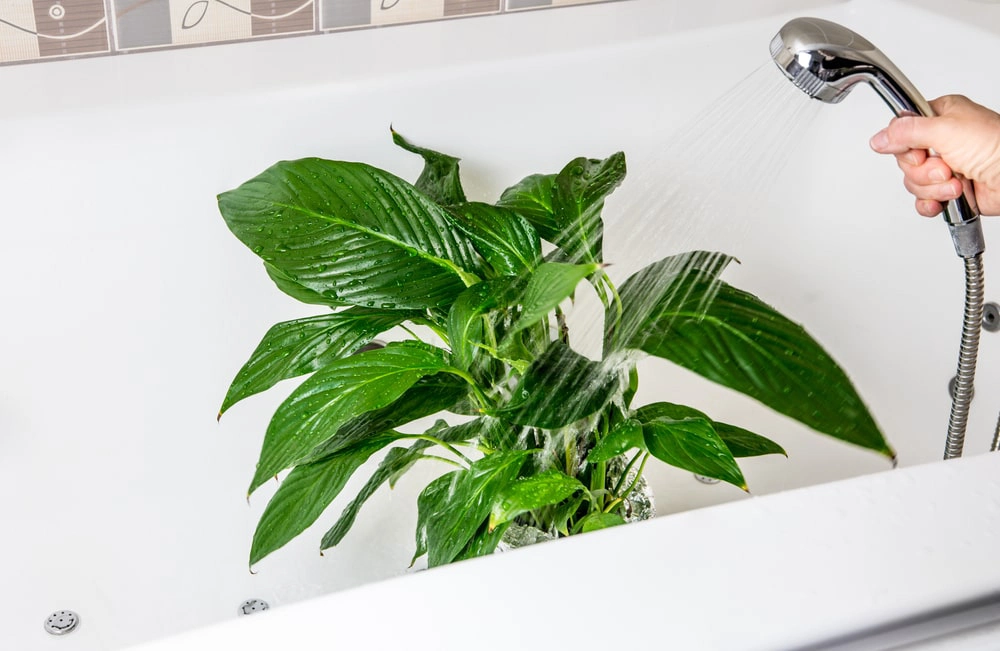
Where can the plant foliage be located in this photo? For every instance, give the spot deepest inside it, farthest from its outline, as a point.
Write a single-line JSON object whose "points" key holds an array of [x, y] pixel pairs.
{"points": [[535, 425]]}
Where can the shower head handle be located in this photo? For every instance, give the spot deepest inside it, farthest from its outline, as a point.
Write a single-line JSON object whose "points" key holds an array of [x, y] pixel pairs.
{"points": [[826, 60]]}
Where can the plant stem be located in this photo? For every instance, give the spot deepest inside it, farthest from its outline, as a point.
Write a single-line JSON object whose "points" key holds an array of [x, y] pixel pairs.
{"points": [[628, 467], [428, 322], [484, 402], [412, 333], [597, 480], [570, 453], [617, 300], [436, 441], [450, 462], [562, 326], [638, 475]]}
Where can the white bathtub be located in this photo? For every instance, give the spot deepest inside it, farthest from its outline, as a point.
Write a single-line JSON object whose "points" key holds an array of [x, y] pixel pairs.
{"points": [[128, 307]]}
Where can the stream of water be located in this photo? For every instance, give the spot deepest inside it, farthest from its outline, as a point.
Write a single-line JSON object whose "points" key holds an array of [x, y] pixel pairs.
{"points": [[702, 185]]}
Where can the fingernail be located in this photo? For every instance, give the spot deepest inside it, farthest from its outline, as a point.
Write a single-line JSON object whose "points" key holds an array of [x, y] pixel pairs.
{"points": [[938, 175], [879, 141]]}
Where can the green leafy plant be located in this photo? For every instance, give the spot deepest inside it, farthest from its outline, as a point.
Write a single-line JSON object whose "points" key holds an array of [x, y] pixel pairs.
{"points": [[540, 435]]}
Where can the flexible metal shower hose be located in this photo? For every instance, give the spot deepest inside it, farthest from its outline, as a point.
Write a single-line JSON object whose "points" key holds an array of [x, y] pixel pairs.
{"points": [[972, 323]]}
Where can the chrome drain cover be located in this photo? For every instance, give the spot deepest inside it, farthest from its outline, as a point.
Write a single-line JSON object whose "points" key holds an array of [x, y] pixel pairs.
{"points": [[61, 622], [251, 606]]}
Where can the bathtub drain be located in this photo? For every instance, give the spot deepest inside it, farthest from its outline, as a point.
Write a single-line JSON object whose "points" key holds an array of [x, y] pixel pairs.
{"points": [[251, 606], [61, 622]]}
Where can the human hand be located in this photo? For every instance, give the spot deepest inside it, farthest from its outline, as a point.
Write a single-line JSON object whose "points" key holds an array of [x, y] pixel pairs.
{"points": [[966, 137]]}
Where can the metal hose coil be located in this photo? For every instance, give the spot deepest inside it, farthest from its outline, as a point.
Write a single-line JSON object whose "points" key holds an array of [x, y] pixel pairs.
{"points": [[968, 353]]}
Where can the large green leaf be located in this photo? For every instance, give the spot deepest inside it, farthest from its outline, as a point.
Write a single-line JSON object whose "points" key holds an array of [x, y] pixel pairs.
{"points": [[628, 435], [577, 201], [534, 492], [453, 507], [559, 388], [688, 443], [531, 198], [352, 233], [396, 461], [465, 324], [566, 207], [440, 178], [294, 348], [744, 443], [623, 437], [734, 339], [342, 390], [659, 284], [297, 291], [306, 492], [508, 242], [549, 285], [430, 395]]}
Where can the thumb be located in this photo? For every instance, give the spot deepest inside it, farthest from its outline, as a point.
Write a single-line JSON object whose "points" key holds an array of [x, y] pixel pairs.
{"points": [[908, 132]]}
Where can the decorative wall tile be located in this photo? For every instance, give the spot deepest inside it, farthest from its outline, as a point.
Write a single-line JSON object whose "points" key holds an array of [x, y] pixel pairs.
{"points": [[42, 29], [204, 21], [49, 28], [143, 23], [346, 13], [388, 12], [271, 17], [469, 7]]}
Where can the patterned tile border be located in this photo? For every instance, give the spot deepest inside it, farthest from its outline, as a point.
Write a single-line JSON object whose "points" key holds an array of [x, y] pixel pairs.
{"points": [[40, 30]]}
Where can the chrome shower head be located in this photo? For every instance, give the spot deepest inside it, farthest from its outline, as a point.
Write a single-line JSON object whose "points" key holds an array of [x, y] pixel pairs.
{"points": [[826, 60]]}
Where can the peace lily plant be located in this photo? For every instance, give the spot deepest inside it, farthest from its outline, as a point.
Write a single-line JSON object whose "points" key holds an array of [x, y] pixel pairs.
{"points": [[535, 434]]}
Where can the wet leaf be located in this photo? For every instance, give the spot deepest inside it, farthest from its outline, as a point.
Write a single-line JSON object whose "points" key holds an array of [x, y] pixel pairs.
{"points": [[623, 437], [342, 390], [430, 395], [529, 493], [596, 521], [465, 325], [294, 348], [734, 339], [396, 462], [508, 242], [306, 492], [297, 291], [532, 199], [688, 442], [580, 386], [744, 443], [453, 507], [549, 285], [440, 179], [353, 233], [566, 207]]}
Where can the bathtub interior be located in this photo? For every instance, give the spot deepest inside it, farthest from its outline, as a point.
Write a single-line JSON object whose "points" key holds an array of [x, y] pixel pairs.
{"points": [[129, 306]]}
